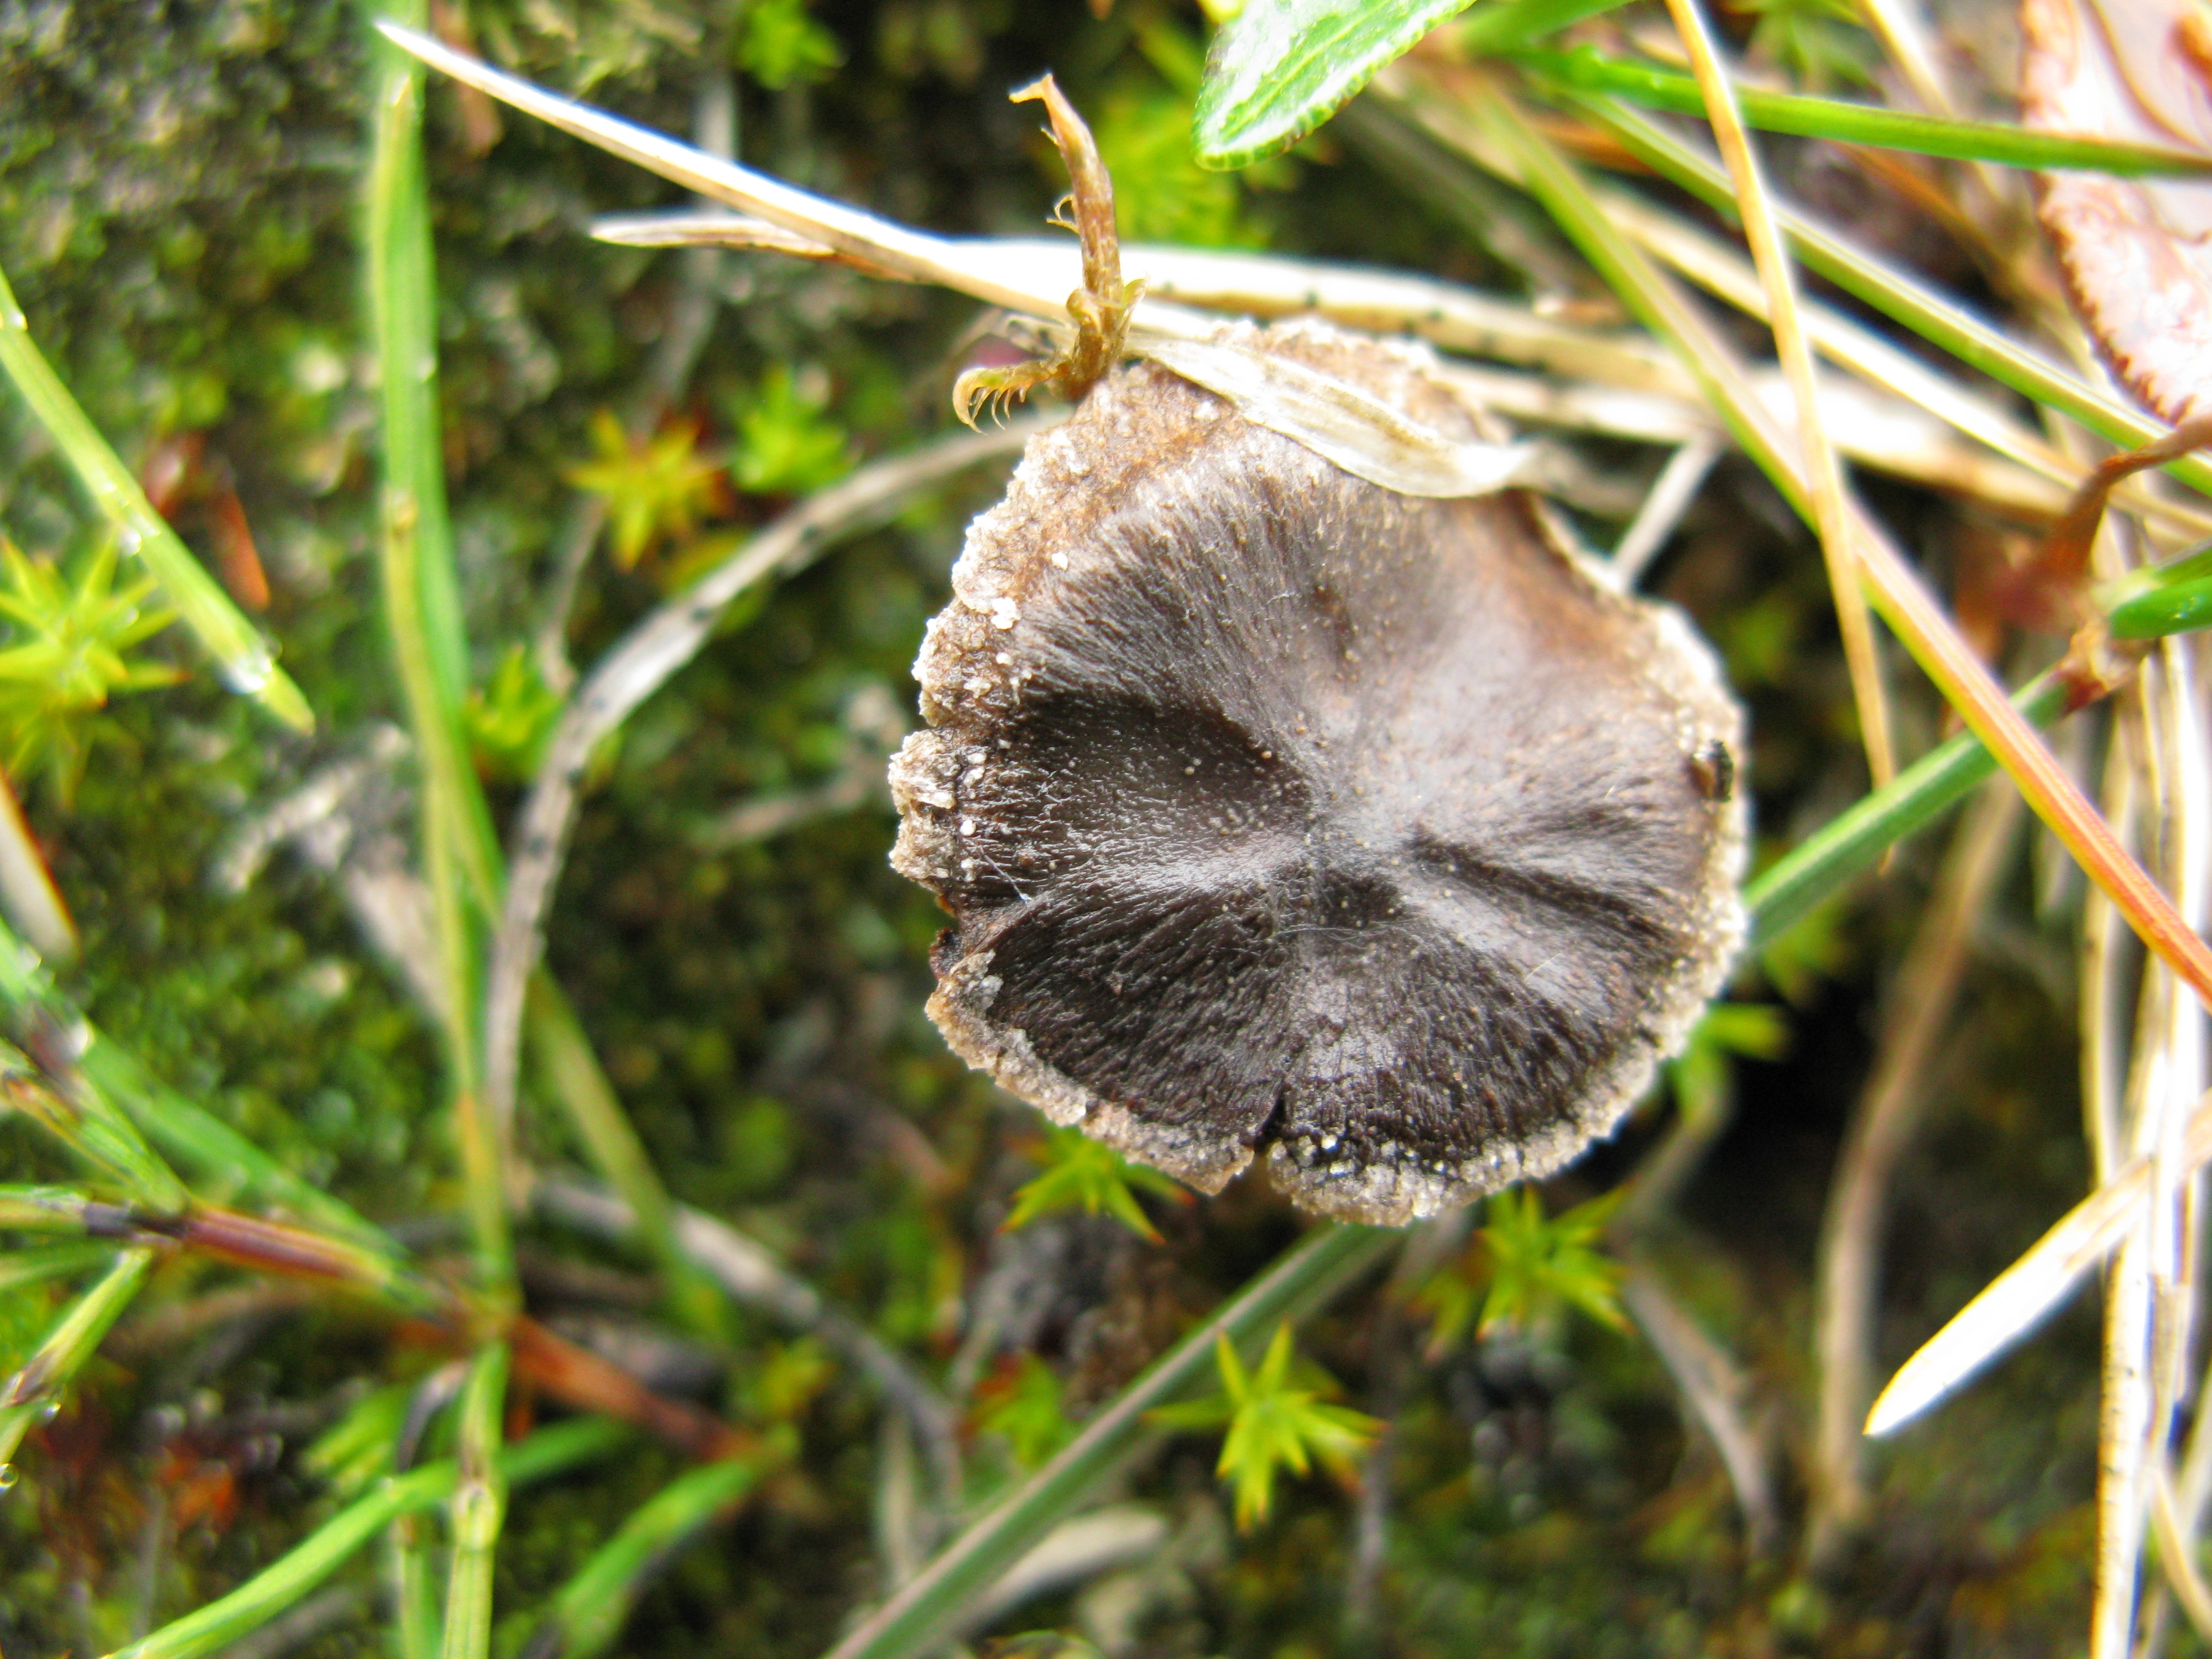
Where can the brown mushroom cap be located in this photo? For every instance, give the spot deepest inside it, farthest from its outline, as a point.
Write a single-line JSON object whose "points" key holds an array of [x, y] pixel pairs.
{"points": [[1275, 809]]}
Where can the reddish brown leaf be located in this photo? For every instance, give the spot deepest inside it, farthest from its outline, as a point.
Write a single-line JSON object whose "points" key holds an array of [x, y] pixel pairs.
{"points": [[2136, 253]]}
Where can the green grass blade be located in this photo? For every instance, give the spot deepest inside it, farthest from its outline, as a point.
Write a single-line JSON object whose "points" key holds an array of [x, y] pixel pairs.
{"points": [[20, 1269], [65, 1347], [403, 293], [222, 1158], [245, 658], [1852, 840], [573, 1076], [1327, 1260], [1280, 68], [478, 1508], [1933, 316], [422, 612], [1586, 69], [288, 1581], [588, 1613], [2178, 608], [76, 1113], [1502, 26], [44, 1209]]}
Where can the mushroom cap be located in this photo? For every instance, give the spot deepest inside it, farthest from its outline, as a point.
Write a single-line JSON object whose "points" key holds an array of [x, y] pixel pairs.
{"points": [[1278, 811]]}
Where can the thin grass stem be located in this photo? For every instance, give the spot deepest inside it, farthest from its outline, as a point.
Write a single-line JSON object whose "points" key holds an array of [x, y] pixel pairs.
{"points": [[587, 1614], [478, 1508], [1585, 69], [27, 1396], [574, 1078], [1823, 477], [1933, 316], [288, 1581]]}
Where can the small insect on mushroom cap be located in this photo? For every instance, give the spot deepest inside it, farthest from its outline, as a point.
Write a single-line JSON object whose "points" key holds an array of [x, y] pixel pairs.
{"points": [[1280, 811]]}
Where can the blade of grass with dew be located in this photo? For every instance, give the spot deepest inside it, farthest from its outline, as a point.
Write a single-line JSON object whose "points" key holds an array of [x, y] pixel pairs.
{"points": [[185, 1131], [1912, 611], [245, 658], [1589, 70], [478, 1508], [195, 1138], [2173, 597], [574, 1078], [587, 1613], [1324, 1262], [1823, 475], [1280, 68], [1933, 316], [66, 1345], [89, 1124], [289, 1580]]}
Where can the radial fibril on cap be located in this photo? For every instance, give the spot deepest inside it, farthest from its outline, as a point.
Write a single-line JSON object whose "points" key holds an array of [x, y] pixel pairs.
{"points": [[1278, 811]]}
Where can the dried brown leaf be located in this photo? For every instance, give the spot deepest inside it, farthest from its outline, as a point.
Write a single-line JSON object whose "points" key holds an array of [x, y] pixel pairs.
{"points": [[2136, 253]]}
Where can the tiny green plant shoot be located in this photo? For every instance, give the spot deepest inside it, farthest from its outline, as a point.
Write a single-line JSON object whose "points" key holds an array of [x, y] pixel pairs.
{"points": [[1524, 1270], [67, 652], [1083, 1174], [1278, 1416]]}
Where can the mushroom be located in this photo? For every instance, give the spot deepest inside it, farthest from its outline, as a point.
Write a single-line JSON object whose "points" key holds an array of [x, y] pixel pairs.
{"points": [[1277, 811]]}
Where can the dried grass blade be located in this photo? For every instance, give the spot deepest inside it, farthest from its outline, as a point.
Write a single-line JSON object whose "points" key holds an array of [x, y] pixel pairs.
{"points": [[2013, 1302], [848, 231], [1823, 477], [1905, 604]]}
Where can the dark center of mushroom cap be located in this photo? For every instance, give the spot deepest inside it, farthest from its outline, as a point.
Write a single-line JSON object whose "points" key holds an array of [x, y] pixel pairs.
{"points": [[1277, 809]]}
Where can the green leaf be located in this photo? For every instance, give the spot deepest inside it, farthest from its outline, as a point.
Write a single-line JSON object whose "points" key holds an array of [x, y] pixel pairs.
{"points": [[2172, 597], [587, 1614], [1280, 68], [64, 657], [247, 662], [1083, 1174], [510, 717], [1754, 1030], [1587, 69]]}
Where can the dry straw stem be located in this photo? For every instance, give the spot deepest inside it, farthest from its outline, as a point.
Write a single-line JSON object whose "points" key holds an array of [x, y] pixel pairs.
{"points": [[1432, 102], [1911, 609], [636, 667], [1717, 1392], [1823, 477], [2016, 1300], [1883, 1120], [755, 1277]]}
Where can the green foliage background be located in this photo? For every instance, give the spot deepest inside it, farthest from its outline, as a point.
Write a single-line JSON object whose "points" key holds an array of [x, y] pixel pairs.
{"points": [[179, 205]]}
